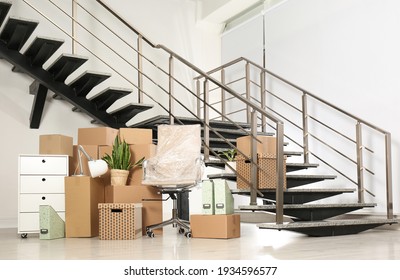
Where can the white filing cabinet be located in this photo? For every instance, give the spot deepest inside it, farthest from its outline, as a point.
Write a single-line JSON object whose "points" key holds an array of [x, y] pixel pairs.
{"points": [[40, 182]]}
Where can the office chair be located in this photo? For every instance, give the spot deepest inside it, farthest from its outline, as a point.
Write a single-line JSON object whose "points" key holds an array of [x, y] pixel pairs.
{"points": [[176, 167]]}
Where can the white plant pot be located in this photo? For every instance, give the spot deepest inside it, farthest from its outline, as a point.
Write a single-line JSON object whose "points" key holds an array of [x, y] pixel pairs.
{"points": [[232, 164]]}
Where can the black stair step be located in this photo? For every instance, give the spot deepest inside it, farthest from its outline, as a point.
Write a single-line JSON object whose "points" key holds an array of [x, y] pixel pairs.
{"points": [[296, 196], [291, 180], [42, 49], [164, 119], [65, 65], [108, 96], [84, 83], [231, 133], [16, 32], [330, 227], [311, 212], [127, 112], [4, 9]]}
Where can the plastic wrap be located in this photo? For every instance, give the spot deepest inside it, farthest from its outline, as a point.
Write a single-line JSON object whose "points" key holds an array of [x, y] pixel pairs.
{"points": [[178, 157]]}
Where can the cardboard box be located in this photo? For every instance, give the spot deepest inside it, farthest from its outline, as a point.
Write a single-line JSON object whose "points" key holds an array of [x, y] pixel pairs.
{"points": [[120, 194], [137, 152], [120, 221], [223, 198], [207, 196], [97, 136], [136, 136], [82, 196], [55, 144], [215, 226], [152, 212], [267, 145], [266, 174]]}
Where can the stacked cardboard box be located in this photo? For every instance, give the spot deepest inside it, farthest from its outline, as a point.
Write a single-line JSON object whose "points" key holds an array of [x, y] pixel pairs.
{"points": [[218, 220], [266, 160]]}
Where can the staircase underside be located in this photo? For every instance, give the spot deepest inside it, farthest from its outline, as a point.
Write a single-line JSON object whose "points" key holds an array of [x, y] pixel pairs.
{"points": [[330, 227]]}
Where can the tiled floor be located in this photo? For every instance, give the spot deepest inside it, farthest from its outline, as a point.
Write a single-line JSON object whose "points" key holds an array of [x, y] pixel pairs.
{"points": [[254, 244]]}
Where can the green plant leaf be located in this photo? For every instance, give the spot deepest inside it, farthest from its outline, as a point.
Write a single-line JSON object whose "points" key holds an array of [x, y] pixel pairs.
{"points": [[120, 156]]}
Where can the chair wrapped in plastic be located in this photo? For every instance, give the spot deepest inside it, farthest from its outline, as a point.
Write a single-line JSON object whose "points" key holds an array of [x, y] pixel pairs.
{"points": [[176, 167]]}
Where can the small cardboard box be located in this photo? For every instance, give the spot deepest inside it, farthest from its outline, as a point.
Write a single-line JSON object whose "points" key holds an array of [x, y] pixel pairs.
{"points": [[267, 174], [136, 136], [97, 136], [215, 226], [119, 194], [55, 144], [120, 221], [266, 145], [82, 195]]}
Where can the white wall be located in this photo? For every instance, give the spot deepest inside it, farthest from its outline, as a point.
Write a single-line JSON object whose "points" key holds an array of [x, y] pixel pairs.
{"points": [[345, 52], [172, 23]]}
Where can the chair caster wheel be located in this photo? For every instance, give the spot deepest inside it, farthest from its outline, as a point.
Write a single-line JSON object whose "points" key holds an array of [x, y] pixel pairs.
{"points": [[188, 234], [150, 234], [181, 230]]}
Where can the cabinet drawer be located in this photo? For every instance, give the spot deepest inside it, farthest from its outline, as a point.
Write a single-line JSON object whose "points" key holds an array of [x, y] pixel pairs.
{"points": [[45, 165], [42, 184], [29, 222], [31, 202]]}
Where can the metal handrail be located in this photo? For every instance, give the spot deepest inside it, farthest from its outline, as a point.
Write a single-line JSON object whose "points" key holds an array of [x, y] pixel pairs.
{"points": [[306, 134]]}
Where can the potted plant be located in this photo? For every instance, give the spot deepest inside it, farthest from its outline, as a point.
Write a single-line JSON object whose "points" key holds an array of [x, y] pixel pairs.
{"points": [[230, 156], [119, 162]]}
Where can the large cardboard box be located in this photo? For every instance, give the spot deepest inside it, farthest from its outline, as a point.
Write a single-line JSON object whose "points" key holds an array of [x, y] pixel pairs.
{"points": [[265, 145], [137, 152], [215, 226], [120, 194], [97, 136], [120, 221], [266, 174], [82, 196], [55, 144], [152, 212], [136, 136]]}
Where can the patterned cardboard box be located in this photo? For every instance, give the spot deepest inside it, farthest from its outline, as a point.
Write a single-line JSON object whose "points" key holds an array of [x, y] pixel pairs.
{"points": [[120, 221]]}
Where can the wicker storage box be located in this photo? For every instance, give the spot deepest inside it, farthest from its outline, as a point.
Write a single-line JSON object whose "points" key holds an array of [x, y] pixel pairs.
{"points": [[267, 174], [120, 221]]}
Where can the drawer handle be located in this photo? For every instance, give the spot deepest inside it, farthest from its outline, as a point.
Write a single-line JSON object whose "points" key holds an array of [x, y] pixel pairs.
{"points": [[43, 179], [43, 160], [43, 198]]}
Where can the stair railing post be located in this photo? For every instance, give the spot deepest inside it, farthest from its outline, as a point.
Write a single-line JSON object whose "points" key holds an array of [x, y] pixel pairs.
{"points": [[140, 68], [388, 157], [223, 95], [171, 90], [206, 113], [280, 161], [360, 164], [263, 101], [73, 30], [254, 159], [305, 129], [248, 110], [198, 93]]}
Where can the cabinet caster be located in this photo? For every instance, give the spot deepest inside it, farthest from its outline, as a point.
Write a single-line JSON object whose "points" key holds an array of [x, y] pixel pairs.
{"points": [[24, 235]]}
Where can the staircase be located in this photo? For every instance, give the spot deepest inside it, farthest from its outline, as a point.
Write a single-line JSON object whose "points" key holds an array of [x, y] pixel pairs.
{"points": [[299, 201]]}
